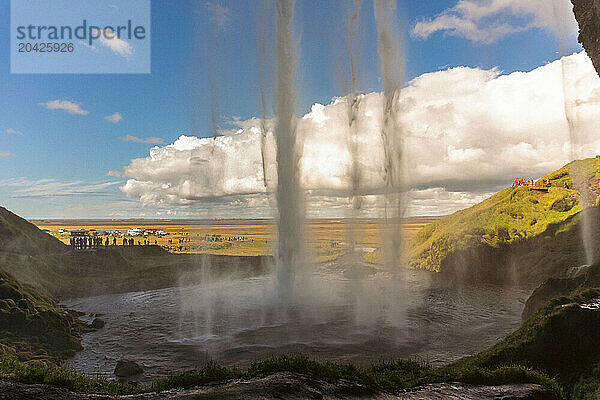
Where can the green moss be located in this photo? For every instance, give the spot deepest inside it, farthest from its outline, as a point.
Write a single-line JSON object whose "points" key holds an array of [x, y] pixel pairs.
{"points": [[384, 376], [48, 373], [34, 325], [588, 386]]}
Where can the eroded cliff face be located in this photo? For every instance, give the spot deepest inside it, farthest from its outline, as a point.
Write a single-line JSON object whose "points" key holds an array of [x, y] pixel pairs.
{"points": [[587, 14]]}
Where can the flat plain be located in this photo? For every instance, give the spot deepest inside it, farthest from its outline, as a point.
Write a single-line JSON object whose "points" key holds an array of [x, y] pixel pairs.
{"points": [[327, 238]]}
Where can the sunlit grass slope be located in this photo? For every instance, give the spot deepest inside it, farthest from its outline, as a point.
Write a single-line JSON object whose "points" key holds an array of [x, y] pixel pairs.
{"points": [[512, 215]]}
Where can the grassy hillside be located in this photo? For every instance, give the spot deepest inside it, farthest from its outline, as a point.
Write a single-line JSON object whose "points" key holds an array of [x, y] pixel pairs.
{"points": [[18, 235], [512, 216]]}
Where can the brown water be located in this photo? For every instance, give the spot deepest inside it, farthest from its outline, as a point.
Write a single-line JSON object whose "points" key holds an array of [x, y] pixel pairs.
{"points": [[359, 314]]}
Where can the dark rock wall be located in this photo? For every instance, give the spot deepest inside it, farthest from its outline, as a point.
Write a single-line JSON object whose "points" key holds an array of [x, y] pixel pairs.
{"points": [[587, 14]]}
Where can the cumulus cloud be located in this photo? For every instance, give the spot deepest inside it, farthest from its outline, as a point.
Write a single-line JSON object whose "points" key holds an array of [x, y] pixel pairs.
{"points": [[13, 131], [150, 140], [114, 118], [467, 133], [109, 39], [5, 154], [71, 107], [489, 21]]}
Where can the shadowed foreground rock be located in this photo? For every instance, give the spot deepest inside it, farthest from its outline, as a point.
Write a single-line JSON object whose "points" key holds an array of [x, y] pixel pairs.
{"points": [[286, 385]]}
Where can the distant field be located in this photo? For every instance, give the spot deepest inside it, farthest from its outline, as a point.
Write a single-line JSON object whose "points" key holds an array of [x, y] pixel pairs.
{"points": [[327, 237]]}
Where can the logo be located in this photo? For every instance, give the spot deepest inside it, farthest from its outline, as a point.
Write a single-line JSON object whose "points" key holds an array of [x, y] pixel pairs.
{"points": [[80, 36]]}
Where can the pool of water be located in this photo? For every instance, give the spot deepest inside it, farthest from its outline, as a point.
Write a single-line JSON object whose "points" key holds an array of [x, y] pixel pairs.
{"points": [[361, 314]]}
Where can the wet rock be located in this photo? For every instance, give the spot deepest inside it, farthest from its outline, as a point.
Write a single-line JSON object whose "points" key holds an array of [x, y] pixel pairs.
{"points": [[125, 368], [290, 386], [576, 278], [97, 323], [549, 289]]}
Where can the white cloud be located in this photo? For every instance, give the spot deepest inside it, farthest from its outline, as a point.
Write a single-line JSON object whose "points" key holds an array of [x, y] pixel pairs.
{"points": [[114, 118], [114, 172], [488, 21], [115, 44], [69, 106], [5, 154], [439, 201], [467, 133], [13, 131], [150, 140], [50, 187]]}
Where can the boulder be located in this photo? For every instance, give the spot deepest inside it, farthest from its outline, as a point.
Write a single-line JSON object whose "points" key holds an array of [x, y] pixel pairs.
{"points": [[125, 368], [97, 323]]}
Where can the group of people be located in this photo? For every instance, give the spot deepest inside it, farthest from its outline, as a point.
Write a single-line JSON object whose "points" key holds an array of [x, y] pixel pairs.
{"points": [[219, 238], [92, 242], [179, 240], [89, 242], [523, 182], [530, 182]]}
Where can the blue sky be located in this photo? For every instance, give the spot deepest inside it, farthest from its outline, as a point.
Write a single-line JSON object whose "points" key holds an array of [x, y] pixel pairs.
{"points": [[75, 150]]}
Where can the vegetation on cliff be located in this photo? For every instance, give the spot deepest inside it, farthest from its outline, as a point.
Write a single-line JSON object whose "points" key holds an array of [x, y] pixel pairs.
{"points": [[33, 326], [561, 340], [513, 216]]}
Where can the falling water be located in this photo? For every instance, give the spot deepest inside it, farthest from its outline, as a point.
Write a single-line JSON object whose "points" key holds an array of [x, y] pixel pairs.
{"points": [[578, 175], [352, 108], [290, 223], [297, 304], [347, 74], [264, 71], [390, 50]]}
